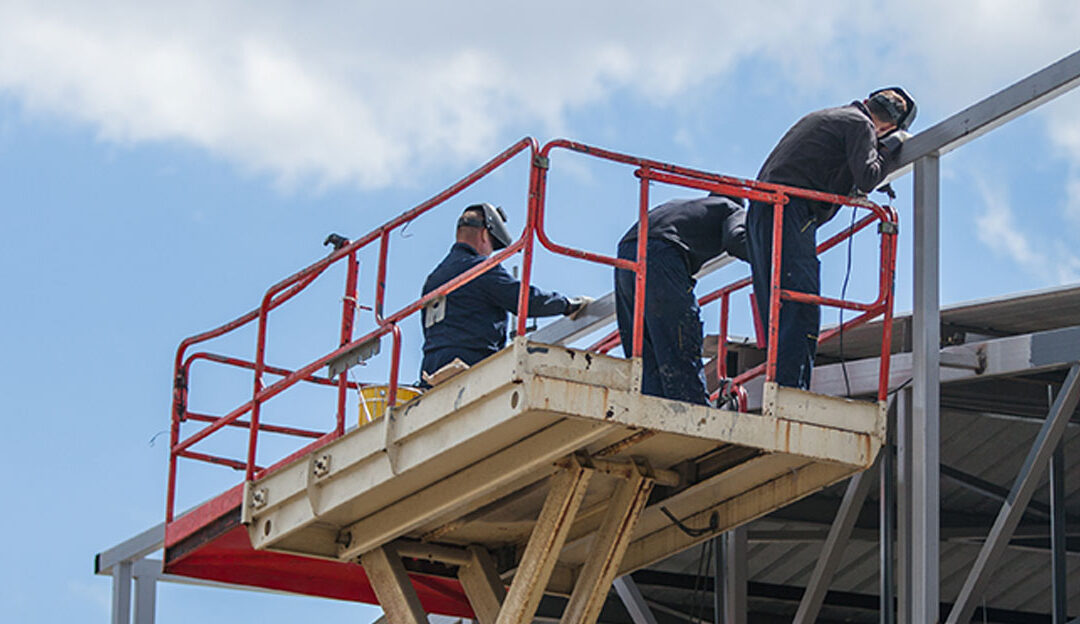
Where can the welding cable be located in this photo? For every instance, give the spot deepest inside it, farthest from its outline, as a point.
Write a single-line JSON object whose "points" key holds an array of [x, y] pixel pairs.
{"points": [[843, 294]]}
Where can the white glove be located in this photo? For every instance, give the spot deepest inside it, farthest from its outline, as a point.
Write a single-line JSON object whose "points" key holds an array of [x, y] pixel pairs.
{"points": [[577, 306]]}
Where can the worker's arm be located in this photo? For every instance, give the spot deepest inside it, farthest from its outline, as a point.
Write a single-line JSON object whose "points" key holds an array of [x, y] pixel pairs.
{"points": [[502, 289], [867, 163]]}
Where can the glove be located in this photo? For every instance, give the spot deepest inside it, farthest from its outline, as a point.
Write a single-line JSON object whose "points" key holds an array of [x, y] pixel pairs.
{"points": [[891, 143], [576, 306]]}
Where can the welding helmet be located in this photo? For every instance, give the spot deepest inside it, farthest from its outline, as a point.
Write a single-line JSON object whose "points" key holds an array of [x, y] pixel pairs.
{"points": [[494, 222], [903, 120]]}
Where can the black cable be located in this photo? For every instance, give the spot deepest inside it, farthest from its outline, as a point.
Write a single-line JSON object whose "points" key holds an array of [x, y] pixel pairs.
{"points": [[697, 600], [843, 293]]}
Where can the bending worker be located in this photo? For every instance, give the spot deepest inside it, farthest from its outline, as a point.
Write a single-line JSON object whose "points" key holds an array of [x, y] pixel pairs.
{"points": [[844, 150], [683, 235], [473, 323]]}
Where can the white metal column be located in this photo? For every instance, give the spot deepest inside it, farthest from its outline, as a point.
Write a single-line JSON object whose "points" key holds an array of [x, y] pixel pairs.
{"points": [[925, 396], [121, 593]]}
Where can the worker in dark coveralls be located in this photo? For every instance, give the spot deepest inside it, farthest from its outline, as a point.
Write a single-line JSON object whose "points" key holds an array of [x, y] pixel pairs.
{"points": [[473, 323], [683, 235], [843, 150]]}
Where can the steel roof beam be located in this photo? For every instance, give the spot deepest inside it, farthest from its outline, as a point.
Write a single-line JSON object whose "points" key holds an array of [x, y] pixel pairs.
{"points": [[1029, 478]]}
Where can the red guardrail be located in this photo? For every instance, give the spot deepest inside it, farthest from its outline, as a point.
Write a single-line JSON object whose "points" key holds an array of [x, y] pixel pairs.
{"points": [[645, 170]]}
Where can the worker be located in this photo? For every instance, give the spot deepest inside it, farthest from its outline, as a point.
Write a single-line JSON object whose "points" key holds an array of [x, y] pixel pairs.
{"points": [[683, 234], [472, 323], [844, 150]]}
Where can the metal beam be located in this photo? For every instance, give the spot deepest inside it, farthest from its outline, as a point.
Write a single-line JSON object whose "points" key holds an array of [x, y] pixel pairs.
{"points": [[989, 113], [1027, 482], [833, 549], [483, 587], [145, 599], [548, 536], [925, 394], [392, 586], [1058, 565], [904, 504], [121, 593], [635, 604], [608, 546], [887, 519], [131, 549], [987, 489], [733, 554]]}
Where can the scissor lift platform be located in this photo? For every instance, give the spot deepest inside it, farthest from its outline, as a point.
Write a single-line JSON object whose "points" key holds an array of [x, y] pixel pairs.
{"points": [[543, 465]]}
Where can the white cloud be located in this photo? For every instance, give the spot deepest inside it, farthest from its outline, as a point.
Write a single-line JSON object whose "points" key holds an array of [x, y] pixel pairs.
{"points": [[1053, 263], [363, 92]]}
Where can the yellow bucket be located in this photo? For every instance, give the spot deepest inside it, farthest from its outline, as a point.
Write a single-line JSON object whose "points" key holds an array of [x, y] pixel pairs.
{"points": [[373, 400]]}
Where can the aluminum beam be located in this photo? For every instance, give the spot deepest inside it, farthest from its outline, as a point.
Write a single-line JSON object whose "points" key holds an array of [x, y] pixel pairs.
{"points": [[1058, 565], [131, 549], [987, 489], [987, 114], [1027, 481], [121, 593], [635, 604], [904, 504], [733, 554], [925, 394], [887, 520], [833, 549], [145, 599]]}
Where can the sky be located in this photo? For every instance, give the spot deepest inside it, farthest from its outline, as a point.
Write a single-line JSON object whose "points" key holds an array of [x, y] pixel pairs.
{"points": [[163, 164]]}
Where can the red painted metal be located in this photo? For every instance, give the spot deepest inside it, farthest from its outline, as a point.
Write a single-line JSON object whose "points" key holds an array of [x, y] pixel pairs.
{"points": [[348, 316], [641, 264], [773, 331], [293, 431], [235, 464]]}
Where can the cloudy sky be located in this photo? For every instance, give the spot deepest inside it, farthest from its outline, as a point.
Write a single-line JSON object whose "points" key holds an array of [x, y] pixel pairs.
{"points": [[162, 164]]}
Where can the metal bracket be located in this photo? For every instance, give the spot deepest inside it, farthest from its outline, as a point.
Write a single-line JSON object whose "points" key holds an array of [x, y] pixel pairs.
{"points": [[318, 467], [434, 311], [390, 443], [360, 353], [541, 162], [887, 227]]}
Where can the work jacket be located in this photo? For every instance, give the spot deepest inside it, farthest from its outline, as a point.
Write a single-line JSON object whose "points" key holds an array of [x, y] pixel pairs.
{"points": [[834, 150], [702, 228], [476, 313]]}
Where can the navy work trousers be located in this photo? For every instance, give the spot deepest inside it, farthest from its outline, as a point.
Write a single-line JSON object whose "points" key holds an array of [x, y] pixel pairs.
{"points": [[800, 271], [671, 353]]}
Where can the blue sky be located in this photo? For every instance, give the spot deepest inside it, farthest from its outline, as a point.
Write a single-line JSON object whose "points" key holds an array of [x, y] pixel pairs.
{"points": [[161, 166]]}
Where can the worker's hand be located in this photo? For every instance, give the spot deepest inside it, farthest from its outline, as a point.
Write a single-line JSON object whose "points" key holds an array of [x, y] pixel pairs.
{"points": [[576, 306], [891, 143]]}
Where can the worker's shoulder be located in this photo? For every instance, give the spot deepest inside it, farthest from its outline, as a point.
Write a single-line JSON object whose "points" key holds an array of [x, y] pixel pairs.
{"points": [[850, 114]]}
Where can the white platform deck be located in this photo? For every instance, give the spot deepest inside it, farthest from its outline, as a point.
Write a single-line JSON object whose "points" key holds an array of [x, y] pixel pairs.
{"points": [[468, 462]]}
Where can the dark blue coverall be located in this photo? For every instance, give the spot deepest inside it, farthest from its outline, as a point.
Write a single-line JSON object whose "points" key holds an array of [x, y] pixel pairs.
{"points": [[834, 151], [683, 235], [476, 314]]}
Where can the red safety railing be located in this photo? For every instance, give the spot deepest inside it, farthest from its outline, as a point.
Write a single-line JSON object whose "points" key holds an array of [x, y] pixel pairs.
{"points": [[646, 171]]}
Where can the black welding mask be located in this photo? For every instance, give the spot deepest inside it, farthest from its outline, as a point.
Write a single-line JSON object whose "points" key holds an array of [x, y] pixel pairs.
{"points": [[902, 119], [494, 222]]}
